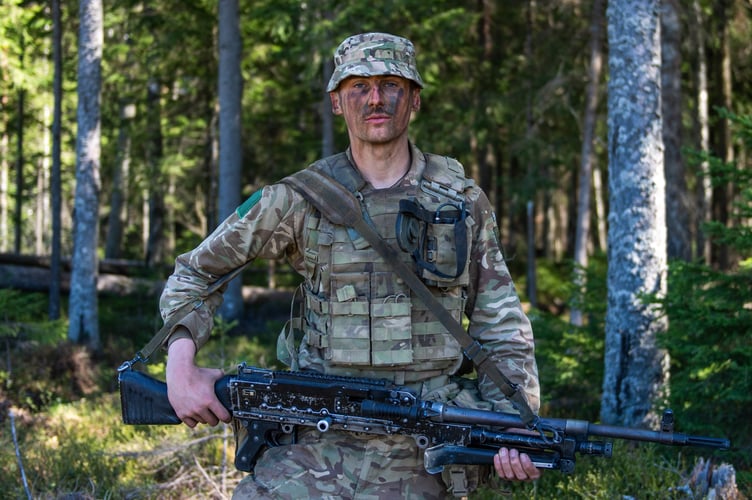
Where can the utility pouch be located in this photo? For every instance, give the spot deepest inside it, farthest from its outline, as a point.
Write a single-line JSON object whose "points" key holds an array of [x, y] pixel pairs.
{"points": [[436, 239]]}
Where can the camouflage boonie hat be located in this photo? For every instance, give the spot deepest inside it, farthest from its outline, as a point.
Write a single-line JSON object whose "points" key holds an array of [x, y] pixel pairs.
{"points": [[372, 54]]}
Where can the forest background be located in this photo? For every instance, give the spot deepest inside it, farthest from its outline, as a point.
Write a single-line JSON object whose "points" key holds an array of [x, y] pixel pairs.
{"points": [[519, 92]]}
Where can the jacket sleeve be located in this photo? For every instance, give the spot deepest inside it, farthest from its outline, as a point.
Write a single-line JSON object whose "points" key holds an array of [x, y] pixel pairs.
{"points": [[497, 319], [264, 226]]}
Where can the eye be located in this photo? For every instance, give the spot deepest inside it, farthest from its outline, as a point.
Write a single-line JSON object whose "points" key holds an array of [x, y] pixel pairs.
{"points": [[392, 85]]}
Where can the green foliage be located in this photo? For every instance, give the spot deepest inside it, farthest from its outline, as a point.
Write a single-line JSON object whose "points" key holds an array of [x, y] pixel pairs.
{"points": [[570, 359], [553, 284], [570, 366], [710, 324], [23, 334], [16, 306], [737, 236]]}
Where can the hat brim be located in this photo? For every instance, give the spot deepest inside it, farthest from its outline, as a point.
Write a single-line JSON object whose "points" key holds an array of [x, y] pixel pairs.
{"points": [[359, 68]]}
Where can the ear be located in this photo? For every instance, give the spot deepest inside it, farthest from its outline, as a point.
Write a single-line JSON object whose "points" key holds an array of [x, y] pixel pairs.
{"points": [[416, 99], [336, 108]]}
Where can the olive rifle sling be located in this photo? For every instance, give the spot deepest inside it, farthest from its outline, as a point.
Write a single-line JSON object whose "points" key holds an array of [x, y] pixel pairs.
{"points": [[156, 342]]}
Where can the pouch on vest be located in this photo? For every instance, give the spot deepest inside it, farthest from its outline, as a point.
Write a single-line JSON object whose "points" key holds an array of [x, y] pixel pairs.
{"points": [[361, 324], [437, 239]]}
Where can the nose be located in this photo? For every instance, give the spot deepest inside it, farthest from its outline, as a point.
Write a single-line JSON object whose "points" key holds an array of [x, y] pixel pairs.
{"points": [[375, 96]]}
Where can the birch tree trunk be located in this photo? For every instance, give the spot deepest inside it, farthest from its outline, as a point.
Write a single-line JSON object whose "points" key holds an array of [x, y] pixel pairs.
{"points": [[230, 133], [636, 370], [83, 313]]}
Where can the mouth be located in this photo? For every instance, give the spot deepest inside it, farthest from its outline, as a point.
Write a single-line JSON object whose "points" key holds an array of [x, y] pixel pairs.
{"points": [[377, 118]]}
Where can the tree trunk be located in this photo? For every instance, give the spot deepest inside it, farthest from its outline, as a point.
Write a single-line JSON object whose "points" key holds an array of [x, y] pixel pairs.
{"points": [[212, 169], [600, 209], [55, 182], [155, 206], [4, 177], [636, 370], [170, 239], [41, 212], [532, 282], [722, 141], [84, 319], [17, 217], [677, 197], [230, 133], [531, 168], [587, 158], [120, 174], [704, 191], [327, 117], [486, 155]]}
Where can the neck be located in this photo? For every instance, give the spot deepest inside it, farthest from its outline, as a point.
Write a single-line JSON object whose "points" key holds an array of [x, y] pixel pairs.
{"points": [[382, 165]]}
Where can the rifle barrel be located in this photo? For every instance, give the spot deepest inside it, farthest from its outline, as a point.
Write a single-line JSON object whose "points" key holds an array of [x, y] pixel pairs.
{"points": [[445, 413], [670, 438]]}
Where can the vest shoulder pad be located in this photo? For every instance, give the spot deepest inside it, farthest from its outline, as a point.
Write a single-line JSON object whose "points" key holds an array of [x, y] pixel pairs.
{"points": [[446, 176]]}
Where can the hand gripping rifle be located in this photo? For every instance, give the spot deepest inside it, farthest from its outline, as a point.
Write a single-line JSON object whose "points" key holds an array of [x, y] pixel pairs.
{"points": [[268, 405]]}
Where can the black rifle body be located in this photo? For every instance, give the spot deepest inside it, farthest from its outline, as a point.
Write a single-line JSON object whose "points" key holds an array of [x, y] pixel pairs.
{"points": [[267, 406]]}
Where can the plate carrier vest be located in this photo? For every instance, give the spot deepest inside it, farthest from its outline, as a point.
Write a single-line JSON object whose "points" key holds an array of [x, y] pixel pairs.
{"points": [[358, 316]]}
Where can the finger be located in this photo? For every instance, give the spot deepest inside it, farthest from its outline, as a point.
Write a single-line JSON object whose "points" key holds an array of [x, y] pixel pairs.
{"points": [[220, 412], [189, 422], [530, 469], [505, 465], [206, 416], [516, 465], [211, 419], [497, 465]]}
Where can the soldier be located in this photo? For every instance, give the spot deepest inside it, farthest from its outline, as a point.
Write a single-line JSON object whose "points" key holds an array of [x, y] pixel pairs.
{"points": [[359, 318]]}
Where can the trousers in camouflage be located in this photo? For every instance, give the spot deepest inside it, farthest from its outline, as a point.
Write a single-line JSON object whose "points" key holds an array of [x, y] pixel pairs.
{"points": [[341, 465]]}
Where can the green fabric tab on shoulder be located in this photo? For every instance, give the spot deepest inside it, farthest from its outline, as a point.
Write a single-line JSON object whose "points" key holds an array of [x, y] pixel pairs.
{"points": [[248, 204]]}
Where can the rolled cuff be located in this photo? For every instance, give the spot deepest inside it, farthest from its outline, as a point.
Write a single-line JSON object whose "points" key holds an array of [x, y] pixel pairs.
{"points": [[176, 334]]}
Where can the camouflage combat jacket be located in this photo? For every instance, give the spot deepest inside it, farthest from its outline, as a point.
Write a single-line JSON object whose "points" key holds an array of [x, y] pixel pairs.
{"points": [[359, 317]]}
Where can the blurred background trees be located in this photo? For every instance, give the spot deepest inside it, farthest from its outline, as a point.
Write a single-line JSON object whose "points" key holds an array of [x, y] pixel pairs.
{"points": [[507, 90]]}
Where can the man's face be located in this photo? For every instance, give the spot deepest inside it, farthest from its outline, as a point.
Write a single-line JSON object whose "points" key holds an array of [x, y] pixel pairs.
{"points": [[376, 109]]}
